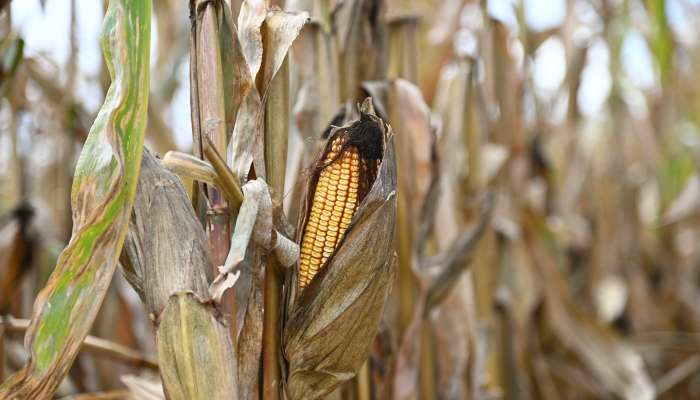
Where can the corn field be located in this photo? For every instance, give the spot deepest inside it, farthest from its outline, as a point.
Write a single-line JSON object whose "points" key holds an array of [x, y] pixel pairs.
{"points": [[349, 199]]}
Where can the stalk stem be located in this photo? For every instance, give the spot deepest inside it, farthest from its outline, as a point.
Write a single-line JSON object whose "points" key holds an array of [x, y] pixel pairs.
{"points": [[427, 372], [404, 240], [208, 122], [208, 106], [2, 352], [363, 381], [271, 335], [276, 131]]}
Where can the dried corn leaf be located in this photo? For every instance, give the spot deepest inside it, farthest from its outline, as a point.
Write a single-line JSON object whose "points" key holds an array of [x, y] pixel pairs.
{"points": [[103, 191], [449, 105], [237, 80], [207, 84], [453, 262], [245, 150], [348, 17], [253, 227], [279, 29], [250, 20], [314, 69], [187, 165]]}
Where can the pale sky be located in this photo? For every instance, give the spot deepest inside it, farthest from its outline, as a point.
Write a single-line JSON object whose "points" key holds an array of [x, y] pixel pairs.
{"points": [[47, 32]]}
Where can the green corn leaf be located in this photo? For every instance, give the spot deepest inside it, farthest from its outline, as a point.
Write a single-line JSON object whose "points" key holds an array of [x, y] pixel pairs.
{"points": [[661, 38], [102, 198], [11, 58]]}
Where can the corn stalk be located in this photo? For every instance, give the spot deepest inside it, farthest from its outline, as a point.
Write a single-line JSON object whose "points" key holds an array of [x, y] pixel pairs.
{"points": [[276, 130], [208, 112]]}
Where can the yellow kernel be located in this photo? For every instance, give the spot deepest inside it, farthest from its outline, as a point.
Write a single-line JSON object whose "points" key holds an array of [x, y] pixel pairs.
{"points": [[332, 207]]}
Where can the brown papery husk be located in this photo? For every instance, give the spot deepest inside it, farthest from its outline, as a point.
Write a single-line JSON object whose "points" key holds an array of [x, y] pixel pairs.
{"points": [[331, 324]]}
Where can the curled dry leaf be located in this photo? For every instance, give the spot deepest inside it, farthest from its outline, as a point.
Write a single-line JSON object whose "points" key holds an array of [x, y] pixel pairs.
{"points": [[254, 223], [280, 30], [265, 38], [456, 259], [237, 81], [250, 19], [333, 315]]}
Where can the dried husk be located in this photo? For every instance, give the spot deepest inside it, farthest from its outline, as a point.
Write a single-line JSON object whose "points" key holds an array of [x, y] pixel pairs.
{"points": [[167, 261], [332, 322]]}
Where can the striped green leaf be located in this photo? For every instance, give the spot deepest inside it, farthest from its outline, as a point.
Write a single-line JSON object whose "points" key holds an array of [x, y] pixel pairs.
{"points": [[102, 198]]}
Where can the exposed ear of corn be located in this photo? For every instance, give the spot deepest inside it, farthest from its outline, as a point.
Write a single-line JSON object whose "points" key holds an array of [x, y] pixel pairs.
{"points": [[343, 279], [334, 203], [346, 172], [344, 180]]}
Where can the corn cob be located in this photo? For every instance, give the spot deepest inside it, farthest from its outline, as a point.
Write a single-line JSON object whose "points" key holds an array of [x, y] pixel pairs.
{"points": [[342, 178], [334, 203], [359, 263]]}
